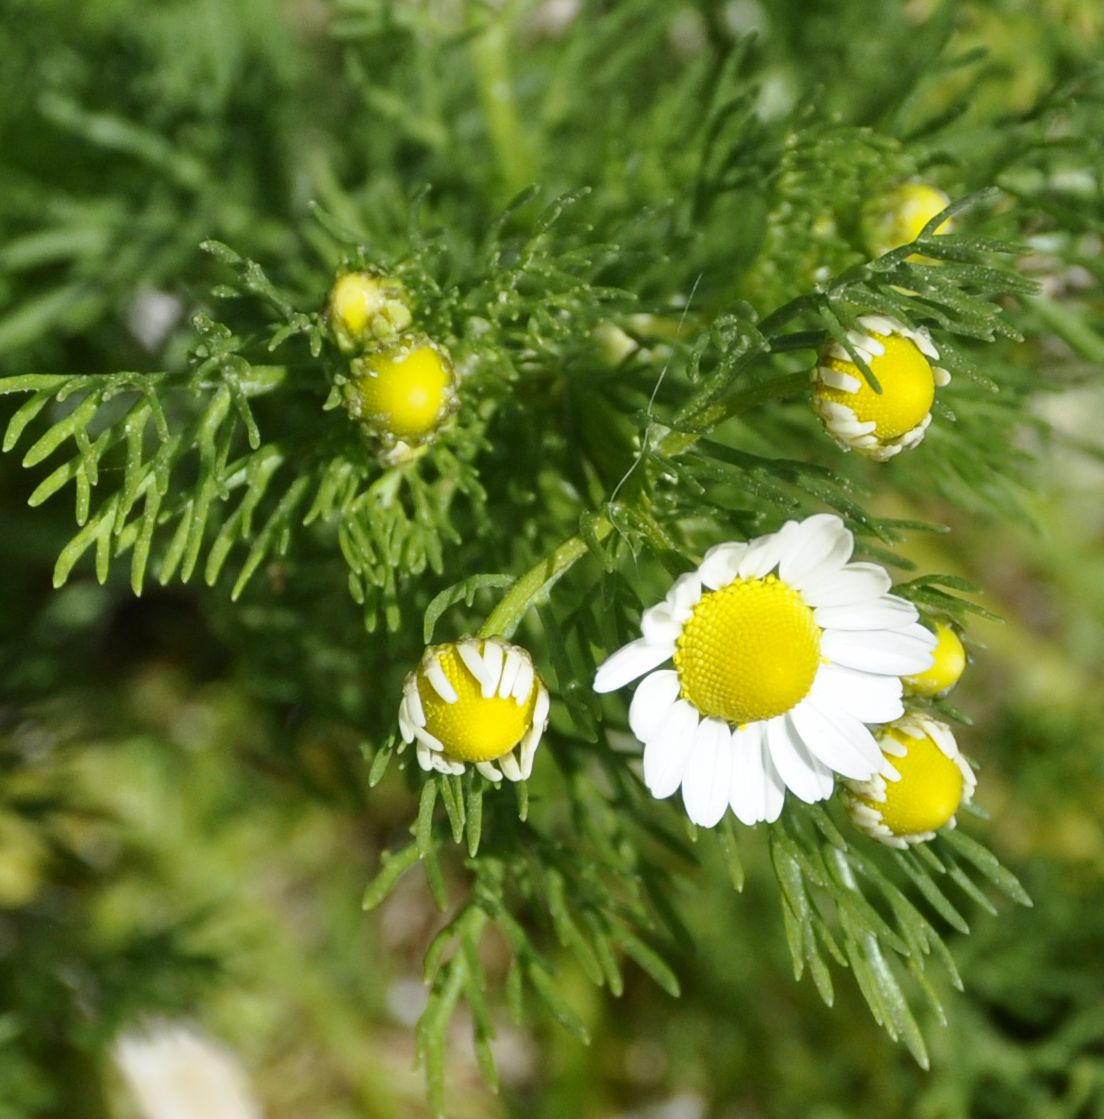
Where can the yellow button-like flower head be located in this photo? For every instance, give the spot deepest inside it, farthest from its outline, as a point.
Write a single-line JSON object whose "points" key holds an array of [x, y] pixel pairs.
{"points": [[403, 392], [475, 702], [948, 665], [364, 309], [919, 788], [878, 424], [899, 217]]}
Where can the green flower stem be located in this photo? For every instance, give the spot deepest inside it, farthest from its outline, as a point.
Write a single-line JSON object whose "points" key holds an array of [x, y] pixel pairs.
{"points": [[490, 53], [677, 442], [506, 616]]}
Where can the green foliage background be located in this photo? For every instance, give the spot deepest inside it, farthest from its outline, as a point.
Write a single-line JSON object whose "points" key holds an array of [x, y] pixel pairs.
{"points": [[187, 821]]}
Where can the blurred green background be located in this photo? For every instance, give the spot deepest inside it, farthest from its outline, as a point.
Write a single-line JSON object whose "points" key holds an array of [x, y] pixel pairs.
{"points": [[185, 833]]}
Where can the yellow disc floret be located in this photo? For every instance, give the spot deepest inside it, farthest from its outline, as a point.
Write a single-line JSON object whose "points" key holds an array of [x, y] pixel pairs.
{"points": [[364, 308], [403, 392], [905, 377], [473, 727], [929, 790], [948, 665], [749, 651], [900, 216]]}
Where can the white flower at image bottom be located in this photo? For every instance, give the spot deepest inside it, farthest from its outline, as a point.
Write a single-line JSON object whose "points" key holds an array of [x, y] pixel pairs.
{"points": [[782, 652]]}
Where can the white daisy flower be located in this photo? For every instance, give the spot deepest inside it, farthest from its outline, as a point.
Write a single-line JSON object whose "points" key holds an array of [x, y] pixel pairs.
{"points": [[920, 786], [175, 1072], [878, 424], [474, 701], [783, 651]]}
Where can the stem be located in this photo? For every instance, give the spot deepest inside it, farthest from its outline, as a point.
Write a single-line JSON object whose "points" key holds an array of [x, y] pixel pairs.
{"points": [[490, 53], [504, 618], [676, 442]]}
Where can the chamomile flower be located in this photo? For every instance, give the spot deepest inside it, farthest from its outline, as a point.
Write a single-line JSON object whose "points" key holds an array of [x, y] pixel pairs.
{"points": [[402, 393], [878, 424], [475, 702], [948, 664], [920, 786], [899, 216], [783, 652], [364, 308]]}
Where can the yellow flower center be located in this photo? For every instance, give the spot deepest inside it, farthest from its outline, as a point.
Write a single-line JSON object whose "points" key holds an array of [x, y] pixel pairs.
{"points": [[405, 391], [906, 380], [949, 664], [929, 791], [473, 729], [749, 651]]}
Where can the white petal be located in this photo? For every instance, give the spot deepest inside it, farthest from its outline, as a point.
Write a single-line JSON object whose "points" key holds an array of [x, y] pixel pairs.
{"points": [[406, 728], [508, 763], [774, 789], [839, 740], [430, 741], [806, 777], [819, 544], [510, 672], [721, 564], [942, 736], [684, 595], [435, 674], [491, 772], [523, 685], [468, 651], [658, 624], [708, 776], [756, 792], [666, 755], [764, 552], [864, 696], [837, 379], [886, 612], [492, 661], [880, 324], [540, 710], [413, 700], [527, 751], [886, 652], [652, 700], [854, 583], [629, 662]]}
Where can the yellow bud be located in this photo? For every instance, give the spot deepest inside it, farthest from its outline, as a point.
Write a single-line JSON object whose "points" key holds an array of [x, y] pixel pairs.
{"points": [[403, 392], [921, 785], [364, 309], [878, 423], [475, 702], [899, 217], [948, 665]]}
